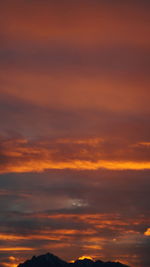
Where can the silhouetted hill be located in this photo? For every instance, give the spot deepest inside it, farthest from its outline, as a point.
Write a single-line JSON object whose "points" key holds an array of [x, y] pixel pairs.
{"points": [[50, 260], [47, 260]]}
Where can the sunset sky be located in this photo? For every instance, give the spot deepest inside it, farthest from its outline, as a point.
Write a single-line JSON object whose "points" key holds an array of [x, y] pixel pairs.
{"points": [[75, 130]]}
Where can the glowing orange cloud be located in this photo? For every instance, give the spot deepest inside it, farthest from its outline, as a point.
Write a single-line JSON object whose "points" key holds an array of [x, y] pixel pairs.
{"points": [[98, 220], [23, 156], [147, 232], [45, 164], [85, 257], [51, 235]]}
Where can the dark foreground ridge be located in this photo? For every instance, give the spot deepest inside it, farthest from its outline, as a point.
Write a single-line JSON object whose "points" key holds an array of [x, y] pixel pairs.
{"points": [[50, 260]]}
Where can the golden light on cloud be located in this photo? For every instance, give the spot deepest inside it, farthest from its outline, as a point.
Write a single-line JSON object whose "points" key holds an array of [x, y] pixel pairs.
{"points": [[50, 235], [42, 165], [83, 258], [13, 262], [24, 156], [147, 232]]}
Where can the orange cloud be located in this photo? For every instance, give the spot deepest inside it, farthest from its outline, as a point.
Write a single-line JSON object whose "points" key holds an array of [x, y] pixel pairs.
{"points": [[87, 154], [99, 221], [51, 235], [85, 257], [92, 240], [42, 165], [147, 232], [146, 144]]}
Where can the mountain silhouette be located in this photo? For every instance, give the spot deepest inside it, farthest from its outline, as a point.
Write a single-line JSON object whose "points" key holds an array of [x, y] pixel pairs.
{"points": [[50, 260]]}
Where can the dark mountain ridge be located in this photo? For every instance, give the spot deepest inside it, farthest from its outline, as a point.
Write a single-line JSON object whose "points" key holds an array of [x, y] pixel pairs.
{"points": [[50, 260]]}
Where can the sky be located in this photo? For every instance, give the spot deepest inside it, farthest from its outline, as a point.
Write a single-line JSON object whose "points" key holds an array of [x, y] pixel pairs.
{"points": [[75, 131]]}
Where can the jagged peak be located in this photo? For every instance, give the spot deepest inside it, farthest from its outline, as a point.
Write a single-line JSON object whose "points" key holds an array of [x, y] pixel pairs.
{"points": [[51, 260], [85, 260]]}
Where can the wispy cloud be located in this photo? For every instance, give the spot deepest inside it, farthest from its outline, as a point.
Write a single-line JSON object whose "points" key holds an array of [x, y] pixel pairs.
{"points": [[21, 155]]}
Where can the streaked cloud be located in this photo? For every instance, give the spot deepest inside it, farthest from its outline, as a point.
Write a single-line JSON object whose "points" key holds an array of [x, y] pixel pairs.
{"points": [[20, 155], [74, 132]]}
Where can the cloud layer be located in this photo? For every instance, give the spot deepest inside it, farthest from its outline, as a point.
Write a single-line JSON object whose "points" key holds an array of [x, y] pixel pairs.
{"points": [[21, 155], [74, 131]]}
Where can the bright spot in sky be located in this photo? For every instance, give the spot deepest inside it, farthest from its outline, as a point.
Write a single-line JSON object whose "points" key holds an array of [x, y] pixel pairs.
{"points": [[76, 203], [85, 257], [147, 232], [79, 203]]}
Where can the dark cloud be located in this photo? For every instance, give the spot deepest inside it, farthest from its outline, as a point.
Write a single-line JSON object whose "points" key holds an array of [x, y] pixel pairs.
{"points": [[123, 61], [23, 118]]}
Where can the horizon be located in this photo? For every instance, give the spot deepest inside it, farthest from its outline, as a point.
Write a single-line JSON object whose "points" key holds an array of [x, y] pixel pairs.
{"points": [[75, 130], [81, 258]]}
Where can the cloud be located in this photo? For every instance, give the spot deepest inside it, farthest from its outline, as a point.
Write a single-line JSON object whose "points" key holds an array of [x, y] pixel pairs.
{"points": [[97, 60], [74, 137], [36, 212], [93, 240], [147, 232], [21, 155], [79, 23], [35, 122]]}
